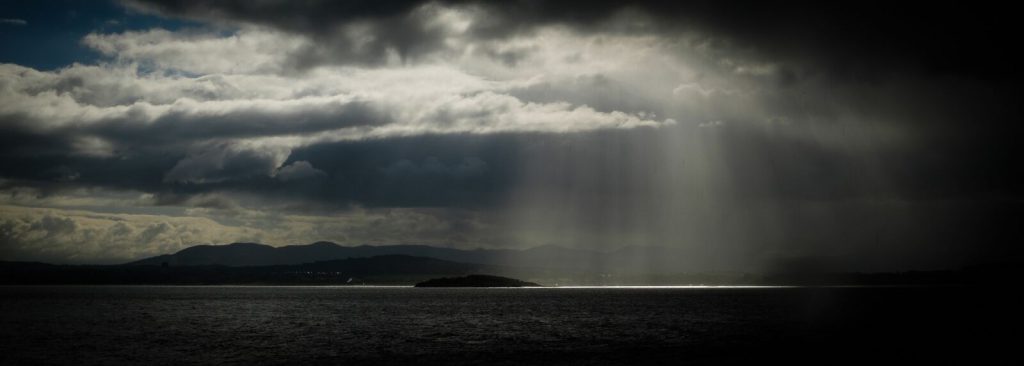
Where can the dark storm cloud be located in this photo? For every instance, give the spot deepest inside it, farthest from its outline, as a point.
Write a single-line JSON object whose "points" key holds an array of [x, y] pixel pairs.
{"points": [[172, 134], [881, 134], [446, 171], [449, 171], [467, 170], [847, 42], [850, 40], [393, 25], [950, 63]]}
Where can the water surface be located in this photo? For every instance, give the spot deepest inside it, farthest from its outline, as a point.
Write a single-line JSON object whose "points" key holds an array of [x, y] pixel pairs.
{"points": [[401, 325]]}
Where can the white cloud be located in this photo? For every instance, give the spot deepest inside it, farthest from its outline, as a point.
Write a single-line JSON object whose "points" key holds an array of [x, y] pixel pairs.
{"points": [[248, 80], [13, 21], [190, 90], [249, 50]]}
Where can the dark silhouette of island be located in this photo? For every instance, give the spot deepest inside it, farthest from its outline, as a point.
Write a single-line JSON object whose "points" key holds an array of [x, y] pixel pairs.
{"points": [[476, 281], [629, 258]]}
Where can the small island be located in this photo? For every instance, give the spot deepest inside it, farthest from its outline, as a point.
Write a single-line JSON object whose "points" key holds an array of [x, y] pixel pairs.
{"points": [[476, 281]]}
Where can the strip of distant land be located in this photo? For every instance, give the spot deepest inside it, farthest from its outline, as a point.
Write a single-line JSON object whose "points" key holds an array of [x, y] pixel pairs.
{"points": [[331, 264]]}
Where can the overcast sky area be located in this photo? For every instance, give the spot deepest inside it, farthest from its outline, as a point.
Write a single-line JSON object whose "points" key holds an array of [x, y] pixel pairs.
{"points": [[860, 137]]}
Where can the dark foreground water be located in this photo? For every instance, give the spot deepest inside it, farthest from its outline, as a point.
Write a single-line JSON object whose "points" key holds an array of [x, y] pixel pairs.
{"points": [[332, 325]]}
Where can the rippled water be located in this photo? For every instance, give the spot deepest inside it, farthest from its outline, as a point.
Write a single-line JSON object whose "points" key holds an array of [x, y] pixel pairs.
{"points": [[287, 325]]}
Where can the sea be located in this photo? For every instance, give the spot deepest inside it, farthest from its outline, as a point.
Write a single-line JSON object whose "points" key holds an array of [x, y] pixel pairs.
{"points": [[267, 325]]}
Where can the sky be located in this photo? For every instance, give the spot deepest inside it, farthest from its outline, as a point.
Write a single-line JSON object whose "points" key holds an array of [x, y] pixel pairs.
{"points": [[859, 137]]}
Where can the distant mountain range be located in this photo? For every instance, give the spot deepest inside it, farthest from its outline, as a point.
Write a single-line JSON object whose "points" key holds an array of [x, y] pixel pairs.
{"points": [[330, 263], [547, 257], [254, 254]]}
